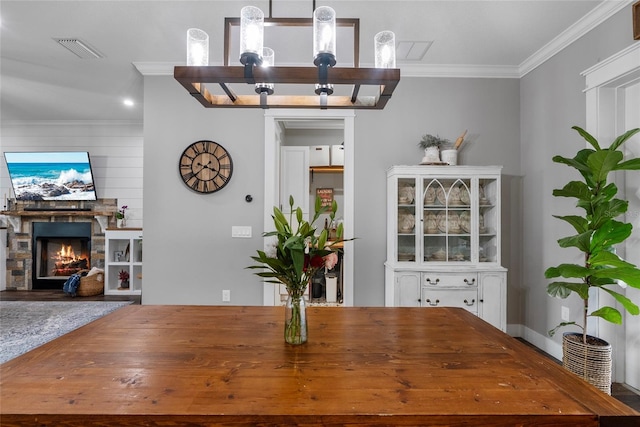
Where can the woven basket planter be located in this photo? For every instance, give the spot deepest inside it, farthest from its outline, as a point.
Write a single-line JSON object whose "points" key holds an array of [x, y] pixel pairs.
{"points": [[591, 361], [91, 285]]}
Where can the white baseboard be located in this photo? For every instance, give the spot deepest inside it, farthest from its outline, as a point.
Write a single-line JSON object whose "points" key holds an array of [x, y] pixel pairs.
{"points": [[543, 342]]}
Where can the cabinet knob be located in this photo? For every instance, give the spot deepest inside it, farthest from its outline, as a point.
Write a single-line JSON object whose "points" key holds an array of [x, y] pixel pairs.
{"points": [[471, 282], [469, 304], [435, 282], [433, 303]]}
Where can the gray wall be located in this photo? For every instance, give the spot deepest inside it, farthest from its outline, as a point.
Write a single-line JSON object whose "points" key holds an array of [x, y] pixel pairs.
{"points": [[189, 253], [551, 102], [190, 256]]}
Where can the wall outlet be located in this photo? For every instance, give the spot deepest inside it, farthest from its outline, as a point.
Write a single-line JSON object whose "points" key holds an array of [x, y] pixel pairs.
{"points": [[564, 314], [226, 295]]}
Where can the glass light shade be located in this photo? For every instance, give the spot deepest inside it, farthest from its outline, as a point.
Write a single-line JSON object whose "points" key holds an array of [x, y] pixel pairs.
{"points": [[324, 31], [251, 31], [197, 47], [268, 60], [268, 57], [385, 49]]}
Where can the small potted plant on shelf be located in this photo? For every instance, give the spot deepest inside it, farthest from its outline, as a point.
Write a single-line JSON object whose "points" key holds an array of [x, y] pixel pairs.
{"points": [[121, 220], [123, 279], [597, 231], [431, 145]]}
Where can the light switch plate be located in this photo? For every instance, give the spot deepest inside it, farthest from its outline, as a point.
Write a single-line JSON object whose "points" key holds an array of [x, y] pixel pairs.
{"points": [[241, 231]]}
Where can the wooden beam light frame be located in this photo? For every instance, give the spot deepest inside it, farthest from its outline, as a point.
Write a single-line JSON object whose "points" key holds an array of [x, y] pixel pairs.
{"points": [[193, 79]]}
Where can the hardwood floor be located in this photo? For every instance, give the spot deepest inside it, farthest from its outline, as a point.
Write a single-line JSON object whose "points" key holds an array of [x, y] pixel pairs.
{"points": [[621, 392], [58, 295]]}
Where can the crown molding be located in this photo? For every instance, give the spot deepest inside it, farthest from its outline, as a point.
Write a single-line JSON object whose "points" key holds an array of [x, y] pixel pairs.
{"points": [[20, 123], [595, 17], [434, 70]]}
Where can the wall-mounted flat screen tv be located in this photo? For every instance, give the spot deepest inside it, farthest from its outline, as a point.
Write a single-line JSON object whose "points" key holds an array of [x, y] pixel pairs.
{"points": [[60, 175]]}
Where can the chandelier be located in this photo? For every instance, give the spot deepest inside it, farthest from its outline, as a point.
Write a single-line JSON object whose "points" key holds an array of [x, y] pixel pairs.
{"points": [[259, 70]]}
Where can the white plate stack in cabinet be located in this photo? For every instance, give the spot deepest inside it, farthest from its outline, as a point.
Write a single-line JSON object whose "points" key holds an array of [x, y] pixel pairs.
{"points": [[443, 240], [123, 252]]}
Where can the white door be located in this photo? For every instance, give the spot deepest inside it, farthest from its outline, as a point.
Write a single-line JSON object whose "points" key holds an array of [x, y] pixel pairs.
{"points": [[294, 179]]}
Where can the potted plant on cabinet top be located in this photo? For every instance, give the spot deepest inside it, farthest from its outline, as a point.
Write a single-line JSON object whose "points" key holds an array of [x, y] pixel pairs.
{"points": [[603, 270], [431, 146]]}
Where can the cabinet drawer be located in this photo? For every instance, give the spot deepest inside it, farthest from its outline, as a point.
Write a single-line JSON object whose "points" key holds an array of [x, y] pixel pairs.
{"points": [[449, 280], [464, 298]]}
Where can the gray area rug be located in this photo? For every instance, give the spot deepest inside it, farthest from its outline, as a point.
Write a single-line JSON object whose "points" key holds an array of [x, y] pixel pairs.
{"points": [[25, 325]]}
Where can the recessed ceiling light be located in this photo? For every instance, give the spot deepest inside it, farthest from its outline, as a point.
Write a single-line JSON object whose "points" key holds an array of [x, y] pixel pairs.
{"points": [[128, 102]]}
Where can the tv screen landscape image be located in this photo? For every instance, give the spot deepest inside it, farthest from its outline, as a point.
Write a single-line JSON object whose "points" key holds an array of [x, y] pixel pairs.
{"points": [[51, 175]]}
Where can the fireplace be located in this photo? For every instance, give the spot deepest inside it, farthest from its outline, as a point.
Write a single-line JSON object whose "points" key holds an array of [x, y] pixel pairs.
{"points": [[60, 249]]}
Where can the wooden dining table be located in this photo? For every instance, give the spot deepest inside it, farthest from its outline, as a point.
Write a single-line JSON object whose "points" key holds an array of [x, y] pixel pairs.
{"points": [[152, 365]]}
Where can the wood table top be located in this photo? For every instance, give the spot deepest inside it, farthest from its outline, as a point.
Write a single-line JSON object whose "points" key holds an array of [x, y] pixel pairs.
{"points": [[208, 365]]}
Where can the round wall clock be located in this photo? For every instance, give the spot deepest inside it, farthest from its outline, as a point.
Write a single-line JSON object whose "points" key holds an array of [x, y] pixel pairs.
{"points": [[205, 166]]}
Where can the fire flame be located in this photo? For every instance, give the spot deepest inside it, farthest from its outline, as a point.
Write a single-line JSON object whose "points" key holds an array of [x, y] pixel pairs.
{"points": [[66, 253], [66, 262]]}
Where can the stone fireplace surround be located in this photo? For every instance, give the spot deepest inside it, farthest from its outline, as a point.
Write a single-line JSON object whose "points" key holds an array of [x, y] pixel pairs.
{"points": [[20, 221]]}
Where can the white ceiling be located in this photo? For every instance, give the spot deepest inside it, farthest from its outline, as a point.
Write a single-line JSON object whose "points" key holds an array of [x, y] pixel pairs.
{"points": [[41, 80]]}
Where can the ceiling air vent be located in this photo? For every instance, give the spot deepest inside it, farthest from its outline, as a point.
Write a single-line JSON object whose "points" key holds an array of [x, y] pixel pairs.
{"points": [[412, 50], [79, 48]]}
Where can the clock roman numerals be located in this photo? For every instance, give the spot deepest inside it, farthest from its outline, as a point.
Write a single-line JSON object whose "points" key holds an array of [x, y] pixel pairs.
{"points": [[205, 166]]}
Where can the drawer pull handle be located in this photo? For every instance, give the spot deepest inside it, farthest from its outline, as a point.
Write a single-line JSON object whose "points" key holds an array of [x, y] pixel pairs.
{"points": [[470, 283], [433, 283], [433, 303], [473, 301]]}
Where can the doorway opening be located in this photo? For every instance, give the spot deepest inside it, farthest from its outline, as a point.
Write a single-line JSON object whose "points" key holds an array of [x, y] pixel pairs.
{"points": [[287, 129]]}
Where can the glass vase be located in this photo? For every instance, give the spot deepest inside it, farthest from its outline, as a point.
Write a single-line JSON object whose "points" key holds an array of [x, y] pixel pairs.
{"points": [[295, 321]]}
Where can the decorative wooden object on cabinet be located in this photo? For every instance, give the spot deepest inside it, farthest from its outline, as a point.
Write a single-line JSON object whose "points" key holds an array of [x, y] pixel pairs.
{"points": [[128, 243], [443, 240]]}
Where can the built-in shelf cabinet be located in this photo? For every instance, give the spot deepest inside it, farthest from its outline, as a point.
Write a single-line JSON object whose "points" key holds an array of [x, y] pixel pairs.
{"points": [[443, 239], [123, 252]]}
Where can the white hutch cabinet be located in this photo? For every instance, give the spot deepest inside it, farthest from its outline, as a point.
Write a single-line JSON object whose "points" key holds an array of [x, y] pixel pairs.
{"points": [[443, 240]]}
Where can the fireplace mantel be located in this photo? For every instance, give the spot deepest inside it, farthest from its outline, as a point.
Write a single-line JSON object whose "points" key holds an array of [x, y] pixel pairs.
{"points": [[14, 217]]}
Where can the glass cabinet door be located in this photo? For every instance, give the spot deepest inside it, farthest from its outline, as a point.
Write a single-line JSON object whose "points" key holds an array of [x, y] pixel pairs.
{"points": [[406, 227], [447, 220], [487, 220]]}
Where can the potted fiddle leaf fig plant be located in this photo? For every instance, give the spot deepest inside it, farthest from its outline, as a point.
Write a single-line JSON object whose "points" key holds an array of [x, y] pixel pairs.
{"points": [[597, 230]]}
